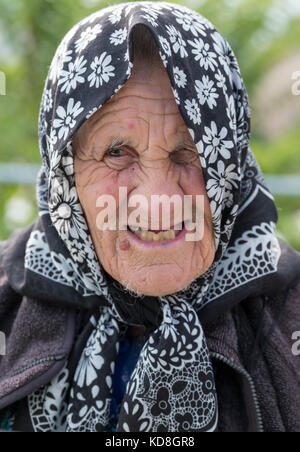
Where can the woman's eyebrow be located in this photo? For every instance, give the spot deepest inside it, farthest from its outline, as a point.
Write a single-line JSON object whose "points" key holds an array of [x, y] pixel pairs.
{"points": [[185, 142], [118, 141], [114, 142]]}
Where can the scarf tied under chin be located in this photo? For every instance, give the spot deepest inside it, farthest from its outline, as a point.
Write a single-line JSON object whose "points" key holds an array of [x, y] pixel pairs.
{"points": [[172, 387]]}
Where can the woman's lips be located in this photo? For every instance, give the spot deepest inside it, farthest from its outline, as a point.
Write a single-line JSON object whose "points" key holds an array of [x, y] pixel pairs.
{"points": [[151, 244]]}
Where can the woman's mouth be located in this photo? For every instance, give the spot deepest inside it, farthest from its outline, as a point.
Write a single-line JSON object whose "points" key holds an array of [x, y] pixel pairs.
{"points": [[156, 237]]}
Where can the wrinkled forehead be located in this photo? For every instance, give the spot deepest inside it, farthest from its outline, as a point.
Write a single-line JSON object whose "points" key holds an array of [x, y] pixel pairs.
{"points": [[142, 99]]}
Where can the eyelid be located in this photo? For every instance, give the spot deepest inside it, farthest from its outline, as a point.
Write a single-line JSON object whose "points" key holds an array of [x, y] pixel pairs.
{"points": [[193, 155], [117, 148]]}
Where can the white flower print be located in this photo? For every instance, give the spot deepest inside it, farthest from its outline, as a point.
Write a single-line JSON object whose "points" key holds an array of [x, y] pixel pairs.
{"points": [[116, 15], [48, 100], [55, 159], [129, 70], [224, 52], [168, 326], [126, 55], [118, 36], [68, 165], [228, 199], [189, 23], [206, 91], [221, 81], [152, 9], [156, 358], [90, 361], [66, 211], [200, 149], [176, 96], [151, 20], [177, 40], [220, 45], [91, 112], [102, 70], [179, 77], [234, 212], [62, 56], [231, 113], [223, 181], [70, 78], [129, 8], [237, 80], [203, 54], [193, 111], [165, 45], [117, 89], [87, 36], [151, 16], [163, 59], [107, 326], [198, 18], [51, 140], [216, 143], [79, 251], [66, 121]]}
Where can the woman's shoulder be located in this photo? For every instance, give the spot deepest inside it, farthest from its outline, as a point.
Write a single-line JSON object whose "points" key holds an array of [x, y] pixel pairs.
{"points": [[12, 253], [7, 293]]}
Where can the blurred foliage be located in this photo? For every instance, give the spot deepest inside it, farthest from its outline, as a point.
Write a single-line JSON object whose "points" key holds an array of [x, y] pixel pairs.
{"points": [[280, 156], [261, 32]]}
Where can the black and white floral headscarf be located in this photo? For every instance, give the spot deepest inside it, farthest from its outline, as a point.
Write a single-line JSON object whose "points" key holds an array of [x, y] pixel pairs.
{"points": [[172, 387]]}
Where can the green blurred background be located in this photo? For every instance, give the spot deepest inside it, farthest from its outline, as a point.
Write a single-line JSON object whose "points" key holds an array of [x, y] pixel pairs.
{"points": [[265, 35]]}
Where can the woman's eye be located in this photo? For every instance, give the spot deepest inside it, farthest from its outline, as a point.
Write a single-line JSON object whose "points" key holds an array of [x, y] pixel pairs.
{"points": [[184, 156], [118, 158], [116, 153]]}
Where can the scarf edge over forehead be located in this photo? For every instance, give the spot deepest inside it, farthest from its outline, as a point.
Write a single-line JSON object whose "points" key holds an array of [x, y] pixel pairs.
{"points": [[172, 386]]}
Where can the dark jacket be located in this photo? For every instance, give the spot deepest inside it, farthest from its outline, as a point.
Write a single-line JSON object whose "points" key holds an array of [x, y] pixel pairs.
{"points": [[249, 334]]}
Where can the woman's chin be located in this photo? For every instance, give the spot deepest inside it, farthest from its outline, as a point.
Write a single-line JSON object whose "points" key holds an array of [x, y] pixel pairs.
{"points": [[157, 282]]}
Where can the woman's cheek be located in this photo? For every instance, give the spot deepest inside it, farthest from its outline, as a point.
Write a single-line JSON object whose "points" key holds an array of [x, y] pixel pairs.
{"points": [[192, 181]]}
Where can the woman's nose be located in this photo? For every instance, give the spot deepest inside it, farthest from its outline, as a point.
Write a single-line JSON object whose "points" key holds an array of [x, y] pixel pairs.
{"points": [[160, 198]]}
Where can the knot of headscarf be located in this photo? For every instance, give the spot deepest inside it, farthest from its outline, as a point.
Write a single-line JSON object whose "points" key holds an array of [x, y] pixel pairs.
{"points": [[171, 389], [133, 309]]}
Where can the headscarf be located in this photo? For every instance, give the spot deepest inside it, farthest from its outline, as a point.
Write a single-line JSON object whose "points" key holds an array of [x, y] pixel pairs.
{"points": [[172, 386]]}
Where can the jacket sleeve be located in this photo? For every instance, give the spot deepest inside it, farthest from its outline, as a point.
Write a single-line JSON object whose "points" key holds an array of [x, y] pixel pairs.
{"points": [[277, 371]]}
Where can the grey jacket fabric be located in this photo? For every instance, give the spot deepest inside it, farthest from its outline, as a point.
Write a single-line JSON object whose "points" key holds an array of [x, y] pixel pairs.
{"points": [[249, 335]]}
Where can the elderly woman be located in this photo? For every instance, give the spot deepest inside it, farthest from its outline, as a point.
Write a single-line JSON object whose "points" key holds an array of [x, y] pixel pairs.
{"points": [[139, 327]]}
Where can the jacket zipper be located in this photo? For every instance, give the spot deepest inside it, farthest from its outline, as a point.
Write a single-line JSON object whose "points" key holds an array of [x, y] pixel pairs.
{"points": [[245, 374], [36, 363]]}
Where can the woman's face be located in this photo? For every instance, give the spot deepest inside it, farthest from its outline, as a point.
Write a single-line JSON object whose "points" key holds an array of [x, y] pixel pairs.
{"points": [[159, 157]]}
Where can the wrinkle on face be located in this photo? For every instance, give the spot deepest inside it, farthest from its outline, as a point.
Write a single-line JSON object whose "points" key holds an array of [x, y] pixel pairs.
{"points": [[143, 112]]}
